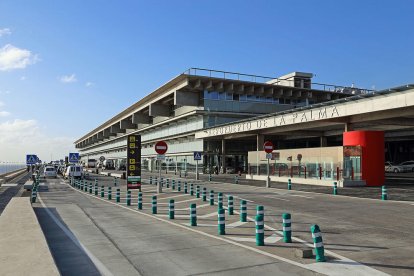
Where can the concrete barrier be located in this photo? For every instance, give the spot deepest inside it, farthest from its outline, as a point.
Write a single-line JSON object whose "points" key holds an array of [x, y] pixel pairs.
{"points": [[4, 178], [24, 250]]}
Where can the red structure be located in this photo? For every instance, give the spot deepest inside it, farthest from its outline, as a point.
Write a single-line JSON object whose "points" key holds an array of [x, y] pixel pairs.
{"points": [[372, 155]]}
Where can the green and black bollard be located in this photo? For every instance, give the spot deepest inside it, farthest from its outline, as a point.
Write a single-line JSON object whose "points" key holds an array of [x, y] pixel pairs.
{"points": [[209, 177], [173, 184], [335, 188], [260, 210], [236, 180], [96, 189], [179, 186], [259, 230], [118, 196], [198, 191], [115, 181], [109, 193], [191, 189], [102, 191], [128, 198], [243, 210], [384, 194], [167, 182], [220, 200], [185, 188], [318, 243], [139, 201], [230, 205], [204, 194], [287, 228], [193, 214], [171, 209], [154, 204], [90, 188], [221, 222], [289, 184], [211, 197], [150, 180]]}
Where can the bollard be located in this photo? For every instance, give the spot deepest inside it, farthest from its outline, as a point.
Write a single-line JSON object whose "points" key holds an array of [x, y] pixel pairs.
{"points": [[318, 243], [384, 193], [243, 210], [154, 204], [139, 201], [81, 185], [173, 184], [128, 198], [109, 193], [289, 184], [150, 179], [168, 182], [171, 211], [209, 177], [156, 181], [118, 195], [115, 181], [211, 197], [220, 200], [179, 186], [191, 189], [198, 191], [221, 222], [102, 191], [236, 179], [96, 189], [335, 188], [193, 214], [204, 194], [230, 205], [185, 188], [259, 230], [96, 181], [260, 210], [287, 227], [90, 188], [34, 195]]}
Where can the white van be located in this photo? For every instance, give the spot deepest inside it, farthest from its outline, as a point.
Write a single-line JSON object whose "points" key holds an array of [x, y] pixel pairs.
{"points": [[75, 171], [50, 171]]}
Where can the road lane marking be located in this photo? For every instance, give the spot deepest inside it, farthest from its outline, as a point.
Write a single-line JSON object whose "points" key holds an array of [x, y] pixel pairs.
{"points": [[208, 215], [278, 198], [251, 201], [188, 208], [302, 196], [99, 265], [235, 224], [9, 185]]}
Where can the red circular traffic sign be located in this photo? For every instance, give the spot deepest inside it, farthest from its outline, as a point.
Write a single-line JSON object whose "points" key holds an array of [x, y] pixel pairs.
{"points": [[161, 147], [268, 147]]}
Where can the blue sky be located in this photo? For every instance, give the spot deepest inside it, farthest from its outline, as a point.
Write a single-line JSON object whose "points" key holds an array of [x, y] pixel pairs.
{"points": [[67, 66]]}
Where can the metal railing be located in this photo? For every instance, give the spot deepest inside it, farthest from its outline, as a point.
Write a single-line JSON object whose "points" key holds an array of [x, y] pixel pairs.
{"points": [[226, 75]]}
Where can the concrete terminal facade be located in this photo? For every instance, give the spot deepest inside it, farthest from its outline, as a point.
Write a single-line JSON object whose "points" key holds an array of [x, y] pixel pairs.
{"points": [[192, 104], [198, 99]]}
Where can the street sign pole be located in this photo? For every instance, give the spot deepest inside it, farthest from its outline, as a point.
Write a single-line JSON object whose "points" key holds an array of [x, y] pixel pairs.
{"points": [[268, 148], [159, 184], [268, 174], [197, 176]]}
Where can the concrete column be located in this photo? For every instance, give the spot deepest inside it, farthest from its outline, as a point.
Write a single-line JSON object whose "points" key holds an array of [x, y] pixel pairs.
{"points": [[348, 127], [259, 148], [323, 141], [223, 155]]}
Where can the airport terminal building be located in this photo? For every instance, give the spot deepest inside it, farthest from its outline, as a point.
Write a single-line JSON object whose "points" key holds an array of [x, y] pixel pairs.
{"points": [[228, 116]]}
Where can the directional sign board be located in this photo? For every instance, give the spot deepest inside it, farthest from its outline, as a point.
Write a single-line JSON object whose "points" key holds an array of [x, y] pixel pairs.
{"points": [[31, 159], [197, 155], [268, 147], [161, 147], [134, 162], [73, 157]]}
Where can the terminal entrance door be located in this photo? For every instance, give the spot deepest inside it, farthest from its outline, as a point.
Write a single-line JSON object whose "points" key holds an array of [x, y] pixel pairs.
{"points": [[352, 163]]}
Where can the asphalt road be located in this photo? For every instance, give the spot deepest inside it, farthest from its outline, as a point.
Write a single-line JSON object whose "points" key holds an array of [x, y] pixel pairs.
{"points": [[361, 236]]}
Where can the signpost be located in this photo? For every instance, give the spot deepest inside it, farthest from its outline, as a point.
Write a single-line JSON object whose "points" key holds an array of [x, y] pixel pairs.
{"points": [[197, 157], [134, 162], [161, 148], [268, 148], [31, 159], [73, 157]]}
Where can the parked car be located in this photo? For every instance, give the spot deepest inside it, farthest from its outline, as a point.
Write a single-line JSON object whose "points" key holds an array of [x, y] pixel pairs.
{"points": [[50, 171], [407, 166], [75, 171], [91, 163], [108, 164], [389, 167]]}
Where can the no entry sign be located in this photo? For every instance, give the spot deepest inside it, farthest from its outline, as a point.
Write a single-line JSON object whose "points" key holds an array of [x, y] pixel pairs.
{"points": [[161, 147], [268, 147]]}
